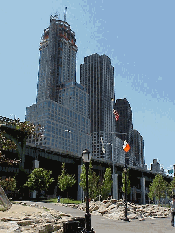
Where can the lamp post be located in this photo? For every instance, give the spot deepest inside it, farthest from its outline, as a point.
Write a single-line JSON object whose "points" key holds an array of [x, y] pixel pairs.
{"points": [[86, 156], [113, 171], [125, 170], [114, 193], [126, 148]]}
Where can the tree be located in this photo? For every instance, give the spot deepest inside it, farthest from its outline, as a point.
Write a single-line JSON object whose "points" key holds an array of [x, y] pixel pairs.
{"points": [[127, 180], [171, 188], [106, 184], [158, 188], [65, 180], [39, 180], [8, 142], [94, 185], [8, 184], [93, 181]]}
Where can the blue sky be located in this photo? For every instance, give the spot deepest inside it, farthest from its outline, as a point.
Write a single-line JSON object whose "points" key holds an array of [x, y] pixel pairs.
{"points": [[137, 35]]}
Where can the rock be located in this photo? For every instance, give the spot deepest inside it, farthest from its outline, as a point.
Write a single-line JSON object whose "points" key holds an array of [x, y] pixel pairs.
{"points": [[113, 206], [10, 226], [45, 228], [25, 222], [105, 201], [113, 201], [48, 221], [132, 216], [94, 208], [22, 203], [115, 209]]}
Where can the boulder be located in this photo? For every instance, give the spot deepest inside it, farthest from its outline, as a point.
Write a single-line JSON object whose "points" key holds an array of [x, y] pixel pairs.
{"points": [[113, 201]]}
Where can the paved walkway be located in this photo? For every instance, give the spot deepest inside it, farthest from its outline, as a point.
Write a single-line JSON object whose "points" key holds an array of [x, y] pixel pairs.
{"points": [[104, 225]]}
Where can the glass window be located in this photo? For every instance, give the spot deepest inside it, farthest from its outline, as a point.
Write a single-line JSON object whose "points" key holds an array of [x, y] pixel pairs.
{"points": [[60, 132]]}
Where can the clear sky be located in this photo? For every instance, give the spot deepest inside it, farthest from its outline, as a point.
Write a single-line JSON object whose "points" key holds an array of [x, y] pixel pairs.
{"points": [[137, 35]]}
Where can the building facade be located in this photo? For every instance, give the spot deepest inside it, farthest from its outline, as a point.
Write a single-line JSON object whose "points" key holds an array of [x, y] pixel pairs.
{"points": [[123, 127], [57, 63], [97, 76], [137, 149], [124, 131], [155, 166], [62, 104]]}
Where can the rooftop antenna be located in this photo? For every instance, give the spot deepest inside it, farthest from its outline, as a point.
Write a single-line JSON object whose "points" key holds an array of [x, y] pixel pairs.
{"points": [[65, 14]]}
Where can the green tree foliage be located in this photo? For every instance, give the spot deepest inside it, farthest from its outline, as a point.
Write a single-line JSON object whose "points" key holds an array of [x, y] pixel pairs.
{"points": [[65, 180], [127, 180], [96, 187], [106, 184], [7, 144], [171, 189], [93, 181], [39, 180], [158, 188], [8, 184]]}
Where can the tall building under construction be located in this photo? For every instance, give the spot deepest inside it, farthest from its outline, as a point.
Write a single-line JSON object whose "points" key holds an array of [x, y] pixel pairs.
{"points": [[97, 76], [57, 64], [61, 104]]}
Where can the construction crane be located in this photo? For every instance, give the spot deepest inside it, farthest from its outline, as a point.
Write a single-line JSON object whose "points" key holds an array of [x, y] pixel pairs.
{"points": [[65, 14]]}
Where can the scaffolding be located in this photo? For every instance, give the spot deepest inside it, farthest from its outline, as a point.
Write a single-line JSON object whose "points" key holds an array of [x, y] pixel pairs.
{"points": [[57, 59]]}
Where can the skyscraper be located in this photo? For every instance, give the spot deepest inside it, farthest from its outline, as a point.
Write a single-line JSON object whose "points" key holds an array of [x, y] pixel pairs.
{"points": [[124, 131], [57, 63], [123, 127], [124, 124], [138, 148], [97, 76], [62, 104]]}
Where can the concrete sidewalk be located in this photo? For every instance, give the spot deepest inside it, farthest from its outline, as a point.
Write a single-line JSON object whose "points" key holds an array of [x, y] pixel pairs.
{"points": [[104, 225]]}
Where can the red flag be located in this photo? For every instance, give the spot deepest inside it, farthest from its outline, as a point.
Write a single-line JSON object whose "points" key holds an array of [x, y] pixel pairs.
{"points": [[116, 114], [126, 146]]}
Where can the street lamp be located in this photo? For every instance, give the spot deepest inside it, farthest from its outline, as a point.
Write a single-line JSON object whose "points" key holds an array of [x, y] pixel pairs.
{"points": [[114, 193], [125, 171], [86, 156], [126, 148]]}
